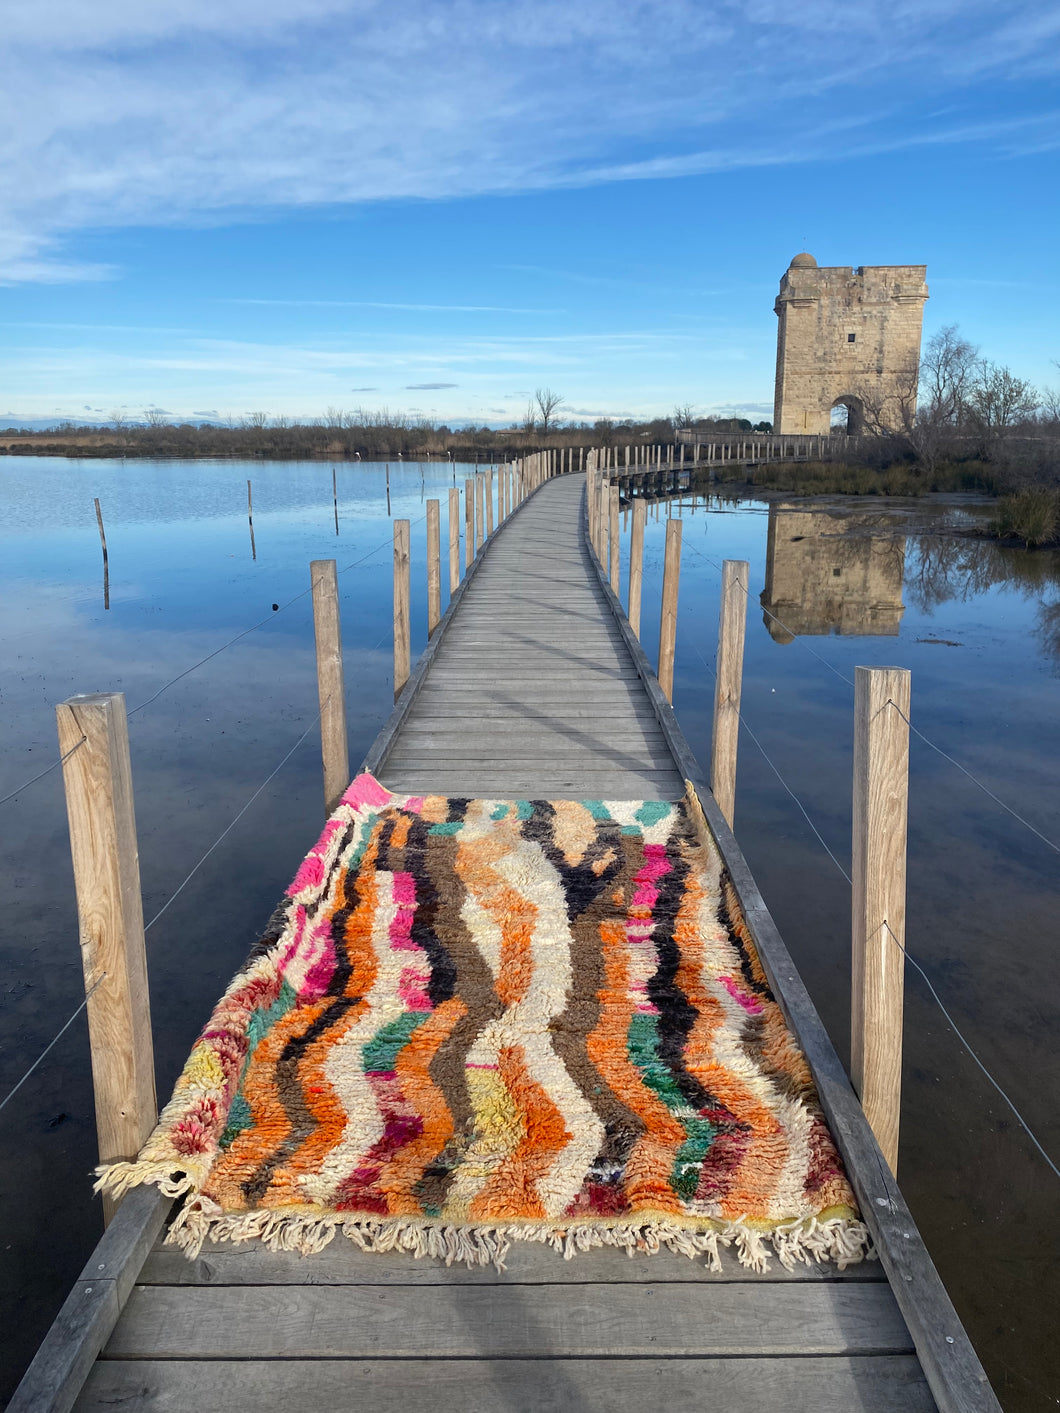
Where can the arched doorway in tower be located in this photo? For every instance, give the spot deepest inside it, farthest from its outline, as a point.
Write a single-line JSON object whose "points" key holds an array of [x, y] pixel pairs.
{"points": [[848, 415]]}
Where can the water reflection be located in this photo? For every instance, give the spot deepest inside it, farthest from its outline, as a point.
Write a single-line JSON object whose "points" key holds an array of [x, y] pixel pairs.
{"points": [[831, 573]]}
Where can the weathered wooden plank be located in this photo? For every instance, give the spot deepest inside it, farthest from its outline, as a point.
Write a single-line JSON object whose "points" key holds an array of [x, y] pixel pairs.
{"points": [[880, 1384], [91, 1310], [527, 1263], [251, 1322]]}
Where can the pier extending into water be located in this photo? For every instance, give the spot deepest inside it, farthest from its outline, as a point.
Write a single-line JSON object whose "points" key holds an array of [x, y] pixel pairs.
{"points": [[533, 685]]}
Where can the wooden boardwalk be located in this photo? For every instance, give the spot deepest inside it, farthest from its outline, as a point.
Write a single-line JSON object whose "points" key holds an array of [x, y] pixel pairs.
{"points": [[532, 692], [532, 687]]}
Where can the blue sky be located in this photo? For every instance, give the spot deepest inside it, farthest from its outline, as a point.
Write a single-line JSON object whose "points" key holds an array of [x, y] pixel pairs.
{"points": [[223, 206]]}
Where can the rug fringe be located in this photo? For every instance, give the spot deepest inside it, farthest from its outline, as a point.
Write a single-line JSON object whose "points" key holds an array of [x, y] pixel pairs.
{"points": [[844, 1240], [116, 1179]]}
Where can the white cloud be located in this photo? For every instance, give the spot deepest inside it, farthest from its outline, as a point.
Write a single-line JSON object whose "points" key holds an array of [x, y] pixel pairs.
{"points": [[193, 111]]}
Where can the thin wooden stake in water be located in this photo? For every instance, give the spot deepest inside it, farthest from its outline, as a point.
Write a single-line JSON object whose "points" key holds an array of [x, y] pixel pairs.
{"points": [[106, 564], [728, 684], [99, 806], [881, 797], [335, 497], [668, 620], [402, 627], [250, 517], [331, 688], [388, 487], [454, 539], [636, 563], [434, 565]]}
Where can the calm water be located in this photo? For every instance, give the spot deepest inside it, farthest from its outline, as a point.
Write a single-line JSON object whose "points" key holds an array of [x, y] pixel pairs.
{"points": [[978, 626]]}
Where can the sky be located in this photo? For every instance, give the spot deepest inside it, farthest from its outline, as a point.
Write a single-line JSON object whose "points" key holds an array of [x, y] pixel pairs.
{"points": [[216, 207]]}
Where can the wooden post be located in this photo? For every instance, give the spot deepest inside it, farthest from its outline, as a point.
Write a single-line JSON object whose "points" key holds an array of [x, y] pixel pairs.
{"points": [[489, 501], [250, 518], [469, 523], [335, 497], [732, 624], [454, 539], [881, 793], [402, 628], [99, 806], [434, 565], [612, 533], [331, 690], [668, 619], [478, 510], [636, 563]]}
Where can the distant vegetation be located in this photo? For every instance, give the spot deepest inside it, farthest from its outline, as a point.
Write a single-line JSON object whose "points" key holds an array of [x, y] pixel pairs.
{"points": [[339, 435]]}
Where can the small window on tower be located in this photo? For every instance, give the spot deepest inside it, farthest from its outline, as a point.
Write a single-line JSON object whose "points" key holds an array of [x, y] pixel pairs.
{"points": [[851, 338]]}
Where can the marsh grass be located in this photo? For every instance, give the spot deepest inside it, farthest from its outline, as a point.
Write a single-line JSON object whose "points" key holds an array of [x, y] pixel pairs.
{"points": [[1031, 515]]}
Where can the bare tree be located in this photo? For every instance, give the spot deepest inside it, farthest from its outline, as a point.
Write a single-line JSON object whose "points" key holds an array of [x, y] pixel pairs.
{"points": [[947, 370], [547, 403], [333, 417], [529, 420], [254, 421], [683, 416], [155, 417], [997, 401]]}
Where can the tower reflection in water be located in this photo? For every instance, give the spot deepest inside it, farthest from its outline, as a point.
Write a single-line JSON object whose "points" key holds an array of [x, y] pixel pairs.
{"points": [[830, 572]]}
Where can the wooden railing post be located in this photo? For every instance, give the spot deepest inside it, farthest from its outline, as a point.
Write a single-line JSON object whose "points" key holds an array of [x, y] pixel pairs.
{"points": [[881, 793], [612, 534], [402, 628], [636, 563], [479, 487], [668, 619], [434, 565], [99, 806], [331, 691], [454, 539], [732, 625], [489, 501], [469, 523]]}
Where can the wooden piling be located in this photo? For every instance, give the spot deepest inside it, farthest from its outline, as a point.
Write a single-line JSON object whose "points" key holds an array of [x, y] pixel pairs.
{"points": [[335, 497], [250, 518], [612, 534], [97, 776], [636, 563], [454, 539], [402, 628], [434, 565], [331, 691], [881, 791], [469, 523], [479, 488], [732, 624], [668, 618]]}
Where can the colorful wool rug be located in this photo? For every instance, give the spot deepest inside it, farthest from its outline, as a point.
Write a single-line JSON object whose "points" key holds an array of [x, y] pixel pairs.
{"points": [[475, 1021]]}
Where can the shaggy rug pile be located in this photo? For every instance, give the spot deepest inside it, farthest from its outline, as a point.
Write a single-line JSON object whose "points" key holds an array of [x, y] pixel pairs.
{"points": [[477, 1021]]}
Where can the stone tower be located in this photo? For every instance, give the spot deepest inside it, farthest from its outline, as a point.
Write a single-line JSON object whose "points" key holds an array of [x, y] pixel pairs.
{"points": [[847, 337]]}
